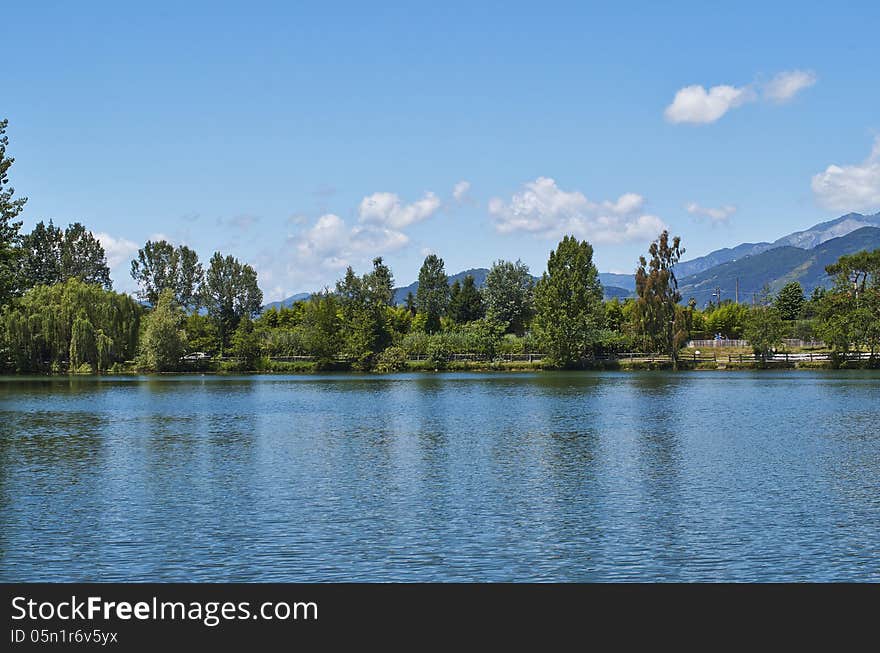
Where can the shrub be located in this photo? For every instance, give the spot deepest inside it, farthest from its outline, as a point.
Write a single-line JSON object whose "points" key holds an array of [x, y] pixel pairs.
{"points": [[392, 359], [439, 353]]}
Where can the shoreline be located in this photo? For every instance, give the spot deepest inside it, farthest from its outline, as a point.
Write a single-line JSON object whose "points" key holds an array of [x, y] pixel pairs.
{"points": [[420, 367]]}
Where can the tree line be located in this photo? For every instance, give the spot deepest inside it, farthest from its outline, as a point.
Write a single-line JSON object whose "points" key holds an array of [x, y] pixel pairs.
{"points": [[59, 312]]}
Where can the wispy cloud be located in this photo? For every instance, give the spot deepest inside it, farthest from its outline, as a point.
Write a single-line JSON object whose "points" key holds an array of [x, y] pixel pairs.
{"points": [[241, 222], [784, 86], [460, 190], [715, 214]]}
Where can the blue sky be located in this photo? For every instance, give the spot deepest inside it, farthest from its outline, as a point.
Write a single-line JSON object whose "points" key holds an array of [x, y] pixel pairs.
{"points": [[302, 137]]}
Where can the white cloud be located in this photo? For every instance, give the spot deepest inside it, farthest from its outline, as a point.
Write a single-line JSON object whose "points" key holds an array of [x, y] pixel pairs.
{"points": [[460, 190], [542, 208], [119, 252], [854, 187], [318, 255], [694, 104], [388, 210], [786, 85], [719, 214]]}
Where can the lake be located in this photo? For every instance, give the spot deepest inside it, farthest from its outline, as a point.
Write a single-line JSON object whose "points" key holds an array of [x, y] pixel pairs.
{"points": [[697, 476]]}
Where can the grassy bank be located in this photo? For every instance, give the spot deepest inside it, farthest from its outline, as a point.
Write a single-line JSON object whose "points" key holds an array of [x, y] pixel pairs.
{"points": [[311, 367]]}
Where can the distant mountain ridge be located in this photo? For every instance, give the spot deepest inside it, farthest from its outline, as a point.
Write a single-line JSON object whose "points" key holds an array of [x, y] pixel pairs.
{"points": [[754, 264], [775, 268], [806, 239], [479, 275]]}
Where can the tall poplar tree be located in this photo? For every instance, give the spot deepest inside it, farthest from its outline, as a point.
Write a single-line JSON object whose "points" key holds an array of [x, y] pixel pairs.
{"points": [[568, 300], [432, 296]]}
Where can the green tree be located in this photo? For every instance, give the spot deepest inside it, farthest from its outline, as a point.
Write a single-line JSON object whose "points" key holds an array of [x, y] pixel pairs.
{"points": [[509, 294], [41, 256], [432, 296], [365, 318], [728, 319], [229, 293], [82, 257], [321, 328], [849, 314], [613, 315], [790, 301], [160, 265], [49, 255], [764, 327], [82, 342], [10, 208], [201, 334], [659, 317], [39, 326], [246, 344], [163, 342], [568, 302], [410, 303], [465, 301]]}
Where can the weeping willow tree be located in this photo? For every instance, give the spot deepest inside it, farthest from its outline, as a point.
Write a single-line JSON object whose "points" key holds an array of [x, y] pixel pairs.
{"points": [[69, 324]]}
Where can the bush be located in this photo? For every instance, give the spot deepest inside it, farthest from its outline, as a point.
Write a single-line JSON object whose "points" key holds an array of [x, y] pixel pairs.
{"points": [[85, 368], [392, 359], [439, 353]]}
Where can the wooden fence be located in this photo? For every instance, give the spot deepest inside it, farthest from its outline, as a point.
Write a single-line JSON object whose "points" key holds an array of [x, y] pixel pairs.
{"points": [[638, 357], [744, 344]]}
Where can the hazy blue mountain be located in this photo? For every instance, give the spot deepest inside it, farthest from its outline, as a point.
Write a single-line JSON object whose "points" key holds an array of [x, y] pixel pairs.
{"points": [[700, 276], [611, 279], [806, 239], [719, 256], [479, 275], [290, 301], [615, 285], [611, 292], [776, 267]]}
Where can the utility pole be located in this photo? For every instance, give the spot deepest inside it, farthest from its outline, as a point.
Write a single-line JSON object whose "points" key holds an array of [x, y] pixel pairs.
{"points": [[737, 290]]}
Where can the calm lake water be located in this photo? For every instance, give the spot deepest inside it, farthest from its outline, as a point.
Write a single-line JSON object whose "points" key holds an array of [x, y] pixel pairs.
{"points": [[771, 476]]}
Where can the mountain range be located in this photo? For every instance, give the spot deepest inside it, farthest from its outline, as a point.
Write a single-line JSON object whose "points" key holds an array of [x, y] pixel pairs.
{"points": [[748, 267]]}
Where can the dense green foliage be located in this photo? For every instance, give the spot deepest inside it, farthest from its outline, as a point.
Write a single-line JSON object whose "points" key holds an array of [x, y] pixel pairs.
{"points": [[230, 293], [50, 255], [509, 295], [790, 301], [849, 314], [432, 296], [465, 301], [70, 324], [568, 301], [160, 265], [163, 341], [764, 326]]}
